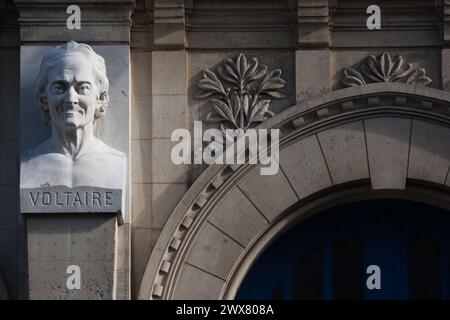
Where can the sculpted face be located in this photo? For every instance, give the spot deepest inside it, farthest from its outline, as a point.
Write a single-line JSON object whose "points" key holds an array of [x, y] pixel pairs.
{"points": [[71, 93]]}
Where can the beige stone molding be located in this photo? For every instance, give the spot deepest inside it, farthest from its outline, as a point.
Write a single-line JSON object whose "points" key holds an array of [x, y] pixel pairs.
{"points": [[101, 22], [313, 24], [142, 26], [347, 138], [446, 22], [238, 25], [169, 24], [385, 68], [412, 23]]}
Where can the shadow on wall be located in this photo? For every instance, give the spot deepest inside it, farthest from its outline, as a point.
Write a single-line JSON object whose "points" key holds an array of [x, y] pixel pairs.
{"points": [[4, 295]]}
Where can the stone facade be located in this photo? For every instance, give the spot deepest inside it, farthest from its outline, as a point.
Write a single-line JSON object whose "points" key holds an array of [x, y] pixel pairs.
{"points": [[364, 115]]}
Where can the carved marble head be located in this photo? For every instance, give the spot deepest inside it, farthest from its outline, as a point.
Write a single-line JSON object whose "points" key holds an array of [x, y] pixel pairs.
{"points": [[72, 74]]}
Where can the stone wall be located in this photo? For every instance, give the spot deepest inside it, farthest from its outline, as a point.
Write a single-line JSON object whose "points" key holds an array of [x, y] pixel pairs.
{"points": [[171, 42], [310, 41]]}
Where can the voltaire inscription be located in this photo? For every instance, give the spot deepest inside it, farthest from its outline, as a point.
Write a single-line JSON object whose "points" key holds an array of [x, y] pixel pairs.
{"points": [[68, 198], [65, 199]]}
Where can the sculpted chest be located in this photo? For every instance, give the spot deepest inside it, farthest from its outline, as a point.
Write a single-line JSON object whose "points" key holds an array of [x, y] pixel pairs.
{"points": [[93, 169]]}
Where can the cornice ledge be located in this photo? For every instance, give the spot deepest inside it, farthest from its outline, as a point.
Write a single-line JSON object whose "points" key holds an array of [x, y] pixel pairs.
{"points": [[45, 21]]}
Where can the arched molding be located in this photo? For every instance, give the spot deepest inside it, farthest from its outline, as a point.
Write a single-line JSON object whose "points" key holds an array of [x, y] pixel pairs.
{"points": [[379, 139]]}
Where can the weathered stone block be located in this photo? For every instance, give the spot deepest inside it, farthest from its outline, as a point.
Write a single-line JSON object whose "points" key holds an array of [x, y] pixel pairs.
{"points": [[169, 35], [313, 73], [196, 284], [344, 148], [169, 70], [271, 194], [141, 205], [429, 157], [214, 252], [445, 58], [305, 166], [141, 248], [47, 280], [170, 112], [245, 222], [123, 268], [141, 159], [141, 73], [163, 169], [141, 117], [48, 239], [387, 148], [57, 242], [93, 239], [165, 197]]}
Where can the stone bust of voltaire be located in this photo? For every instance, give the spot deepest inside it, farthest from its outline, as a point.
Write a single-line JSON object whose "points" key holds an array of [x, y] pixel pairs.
{"points": [[72, 89]]}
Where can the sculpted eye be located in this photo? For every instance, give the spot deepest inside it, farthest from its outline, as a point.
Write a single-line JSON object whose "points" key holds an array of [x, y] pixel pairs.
{"points": [[57, 87], [84, 88]]}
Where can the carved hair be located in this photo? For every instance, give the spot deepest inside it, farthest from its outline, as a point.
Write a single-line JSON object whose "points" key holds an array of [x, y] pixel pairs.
{"points": [[56, 54]]}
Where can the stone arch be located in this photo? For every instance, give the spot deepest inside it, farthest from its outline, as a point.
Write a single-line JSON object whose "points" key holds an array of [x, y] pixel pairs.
{"points": [[375, 141]]}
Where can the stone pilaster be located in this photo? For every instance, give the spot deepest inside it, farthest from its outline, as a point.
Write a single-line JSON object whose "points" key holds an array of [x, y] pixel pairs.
{"points": [[169, 24], [160, 107], [446, 22], [312, 24], [313, 57], [446, 47], [99, 244]]}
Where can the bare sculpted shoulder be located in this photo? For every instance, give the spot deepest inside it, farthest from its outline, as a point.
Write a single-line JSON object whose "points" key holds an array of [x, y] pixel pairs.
{"points": [[100, 167]]}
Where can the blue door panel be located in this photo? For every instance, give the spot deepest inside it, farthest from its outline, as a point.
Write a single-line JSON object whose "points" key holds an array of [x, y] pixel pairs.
{"points": [[393, 235]]}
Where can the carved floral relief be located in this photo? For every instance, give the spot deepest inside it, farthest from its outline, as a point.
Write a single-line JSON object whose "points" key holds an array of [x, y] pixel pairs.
{"points": [[240, 92], [384, 68]]}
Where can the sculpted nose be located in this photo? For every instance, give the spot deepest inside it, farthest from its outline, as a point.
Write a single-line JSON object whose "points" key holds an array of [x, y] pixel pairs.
{"points": [[71, 97]]}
